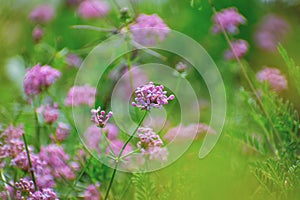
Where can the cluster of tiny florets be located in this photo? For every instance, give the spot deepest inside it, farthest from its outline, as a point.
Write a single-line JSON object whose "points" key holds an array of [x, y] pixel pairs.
{"points": [[148, 29], [239, 49], [273, 77], [81, 95], [99, 117], [151, 96]]}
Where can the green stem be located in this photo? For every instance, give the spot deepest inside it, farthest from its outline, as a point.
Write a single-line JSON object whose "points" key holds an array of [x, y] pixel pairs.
{"points": [[29, 162], [120, 153]]}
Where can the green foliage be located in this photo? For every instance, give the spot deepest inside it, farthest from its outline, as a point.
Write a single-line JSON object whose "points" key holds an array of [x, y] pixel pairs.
{"points": [[144, 187]]}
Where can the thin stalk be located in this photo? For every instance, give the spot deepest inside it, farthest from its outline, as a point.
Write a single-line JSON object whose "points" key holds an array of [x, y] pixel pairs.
{"points": [[246, 75], [120, 153], [29, 162], [37, 129]]}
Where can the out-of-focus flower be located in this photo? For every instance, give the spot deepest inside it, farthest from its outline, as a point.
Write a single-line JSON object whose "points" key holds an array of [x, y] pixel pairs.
{"points": [[90, 9], [116, 146], [92, 192], [229, 19], [73, 60], [192, 131], [81, 95], [181, 67], [148, 139], [50, 113], [273, 77], [148, 29], [99, 117], [270, 32], [38, 33], [73, 2], [151, 96], [45, 194], [57, 160], [159, 154], [12, 132], [240, 48], [42, 14], [62, 132], [38, 78]]}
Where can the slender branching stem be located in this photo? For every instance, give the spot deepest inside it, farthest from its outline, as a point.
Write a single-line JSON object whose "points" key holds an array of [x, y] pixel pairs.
{"points": [[120, 154]]}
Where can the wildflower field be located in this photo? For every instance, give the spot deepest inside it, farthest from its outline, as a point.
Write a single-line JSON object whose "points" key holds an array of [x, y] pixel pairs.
{"points": [[149, 99]]}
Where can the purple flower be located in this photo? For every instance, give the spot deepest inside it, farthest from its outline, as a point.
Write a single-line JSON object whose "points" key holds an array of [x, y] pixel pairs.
{"points": [[151, 96], [99, 117], [73, 60], [148, 139], [271, 31], [38, 78], [229, 19], [62, 131], [90, 9], [42, 14], [148, 29], [92, 192], [57, 160], [116, 146], [25, 186], [240, 48], [81, 95], [192, 131], [38, 33], [50, 113], [43, 194], [12, 132], [273, 77], [181, 67]]}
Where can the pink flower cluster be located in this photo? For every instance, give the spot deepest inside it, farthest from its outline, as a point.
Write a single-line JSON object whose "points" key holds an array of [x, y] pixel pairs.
{"points": [[57, 161], [148, 29], [273, 77], [271, 31], [190, 132], [239, 49], [42, 14], [92, 192], [25, 189], [73, 60], [62, 132], [89, 9], [81, 95], [151, 144], [229, 19], [151, 96], [38, 33], [99, 117], [50, 113], [39, 77]]}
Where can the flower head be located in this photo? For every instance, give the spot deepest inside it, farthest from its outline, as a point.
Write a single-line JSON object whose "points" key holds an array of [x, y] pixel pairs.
{"points": [[99, 117], [42, 14], [38, 33], [92, 192], [240, 48], [81, 95], [89, 9], [148, 139], [50, 113], [62, 131], [229, 19], [149, 29], [73, 60], [39, 77], [271, 31], [151, 96], [274, 77]]}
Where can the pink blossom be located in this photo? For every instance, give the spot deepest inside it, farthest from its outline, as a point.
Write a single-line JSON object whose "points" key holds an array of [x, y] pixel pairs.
{"points": [[38, 33], [148, 29], [240, 48], [99, 117], [192, 131], [90, 9], [81, 95], [150, 96], [73, 60], [42, 14], [273, 77], [12, 132], [50, 113], [229, 19], [92, 192], [62, 132], [271, 31]]}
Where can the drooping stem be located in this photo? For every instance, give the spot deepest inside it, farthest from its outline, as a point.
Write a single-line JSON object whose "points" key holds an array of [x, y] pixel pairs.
{"points": [[248, 80], [120, 154], [29, 162]]}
